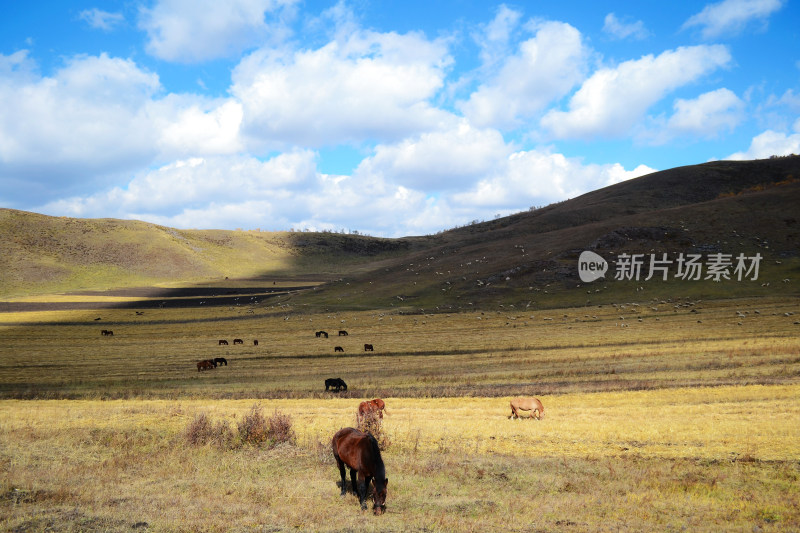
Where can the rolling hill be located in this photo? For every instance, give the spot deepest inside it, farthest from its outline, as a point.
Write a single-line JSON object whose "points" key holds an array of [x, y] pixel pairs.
{"points": [[748, 207]]}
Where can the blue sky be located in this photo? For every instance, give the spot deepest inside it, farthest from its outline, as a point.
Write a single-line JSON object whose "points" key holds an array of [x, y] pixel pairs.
{"points": [[387, 118]]}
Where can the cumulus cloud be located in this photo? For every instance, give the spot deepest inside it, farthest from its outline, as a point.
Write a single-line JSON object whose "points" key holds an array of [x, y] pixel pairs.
{"points": [[540, 177], [771, 143], [543, 68], [366, 85], [731, 16], [198, 183], [447, 158], [613, 100], [706, 116], [86, 120], [622, 29], [190, 31]]}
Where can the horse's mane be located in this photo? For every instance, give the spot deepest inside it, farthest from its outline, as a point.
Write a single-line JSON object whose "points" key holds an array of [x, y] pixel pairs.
{"points": [[376, 451]]}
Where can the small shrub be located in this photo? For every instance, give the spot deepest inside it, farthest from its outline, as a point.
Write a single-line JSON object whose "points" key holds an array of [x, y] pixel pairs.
{"points": [[201, 431], [256, 430], [253, 429], [280, 429], [372, 423]]}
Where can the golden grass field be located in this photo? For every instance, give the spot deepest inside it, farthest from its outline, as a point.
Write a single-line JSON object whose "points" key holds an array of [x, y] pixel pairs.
{"points": [[687, 417]]}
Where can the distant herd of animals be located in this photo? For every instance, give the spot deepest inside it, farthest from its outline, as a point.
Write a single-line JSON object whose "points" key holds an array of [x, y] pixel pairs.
{"points": [[320, 334]]}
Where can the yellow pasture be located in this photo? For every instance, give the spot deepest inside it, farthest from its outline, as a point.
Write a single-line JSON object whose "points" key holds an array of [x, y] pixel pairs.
{"points": [[756, 422]]}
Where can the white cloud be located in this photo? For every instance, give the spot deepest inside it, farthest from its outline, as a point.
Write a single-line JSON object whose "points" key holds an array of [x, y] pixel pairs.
{"points": [[197, 184], [620, 29], [199, 30], [367, 86], [185, 126], [731, 16], [442, 159], [101, 20], [543, 69], [613, 100], [86, 121], [706, 116], [540, 177], [771, 143]]}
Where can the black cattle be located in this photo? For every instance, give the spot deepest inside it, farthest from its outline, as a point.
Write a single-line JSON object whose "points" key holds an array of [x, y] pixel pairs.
{"points": [[368, 348], [322, 334], [223, 341], [219, 361], [342, 333], [238, 341]]}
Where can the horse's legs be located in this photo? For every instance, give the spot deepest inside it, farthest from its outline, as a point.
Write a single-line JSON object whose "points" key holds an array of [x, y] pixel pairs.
{"points": [[353, 480], [363, 487], [344, 477]]}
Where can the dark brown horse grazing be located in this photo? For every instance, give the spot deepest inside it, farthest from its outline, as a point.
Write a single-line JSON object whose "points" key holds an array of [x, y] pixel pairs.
{"points": [[223, 341], [360, 452], [338, 349], [238, 341], [372, 406]]}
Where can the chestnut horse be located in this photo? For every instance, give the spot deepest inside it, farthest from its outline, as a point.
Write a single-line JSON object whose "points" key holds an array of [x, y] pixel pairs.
{"points": [[527, 404], [360, 452], [205, 365], [372, 406]]}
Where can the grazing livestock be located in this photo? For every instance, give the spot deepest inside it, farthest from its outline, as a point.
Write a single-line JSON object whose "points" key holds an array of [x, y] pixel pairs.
{"points": [[527, 404], [337, 384], [342, 333], [322, 334], [223, 341], [368, 348], [372, 406], [238, 341], [219, 361], [106, 332], [255, 342], [338, 349], [205, 365], [360, 452]]}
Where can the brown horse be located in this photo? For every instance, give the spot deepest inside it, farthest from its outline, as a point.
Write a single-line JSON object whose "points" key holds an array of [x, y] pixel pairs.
{"points": [[360, 452], [372, 406], [527, 404], [205, 365]]}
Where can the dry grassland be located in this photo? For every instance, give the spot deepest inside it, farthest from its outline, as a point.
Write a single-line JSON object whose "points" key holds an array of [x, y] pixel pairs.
{"points": [[705, 459], [686, 420]]}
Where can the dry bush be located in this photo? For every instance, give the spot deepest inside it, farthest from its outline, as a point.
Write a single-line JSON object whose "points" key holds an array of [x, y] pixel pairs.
{"points": [[280, 429], [372, 423], [256, 430], [202, 431], [253, 429]]}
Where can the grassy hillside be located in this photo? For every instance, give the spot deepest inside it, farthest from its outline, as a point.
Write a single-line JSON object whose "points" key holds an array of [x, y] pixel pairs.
{"points": [[526, 259], [43, 254], [531, 258]]}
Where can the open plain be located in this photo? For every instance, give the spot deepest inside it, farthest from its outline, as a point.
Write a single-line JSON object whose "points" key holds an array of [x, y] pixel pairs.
{"points": [[660, 415]]}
